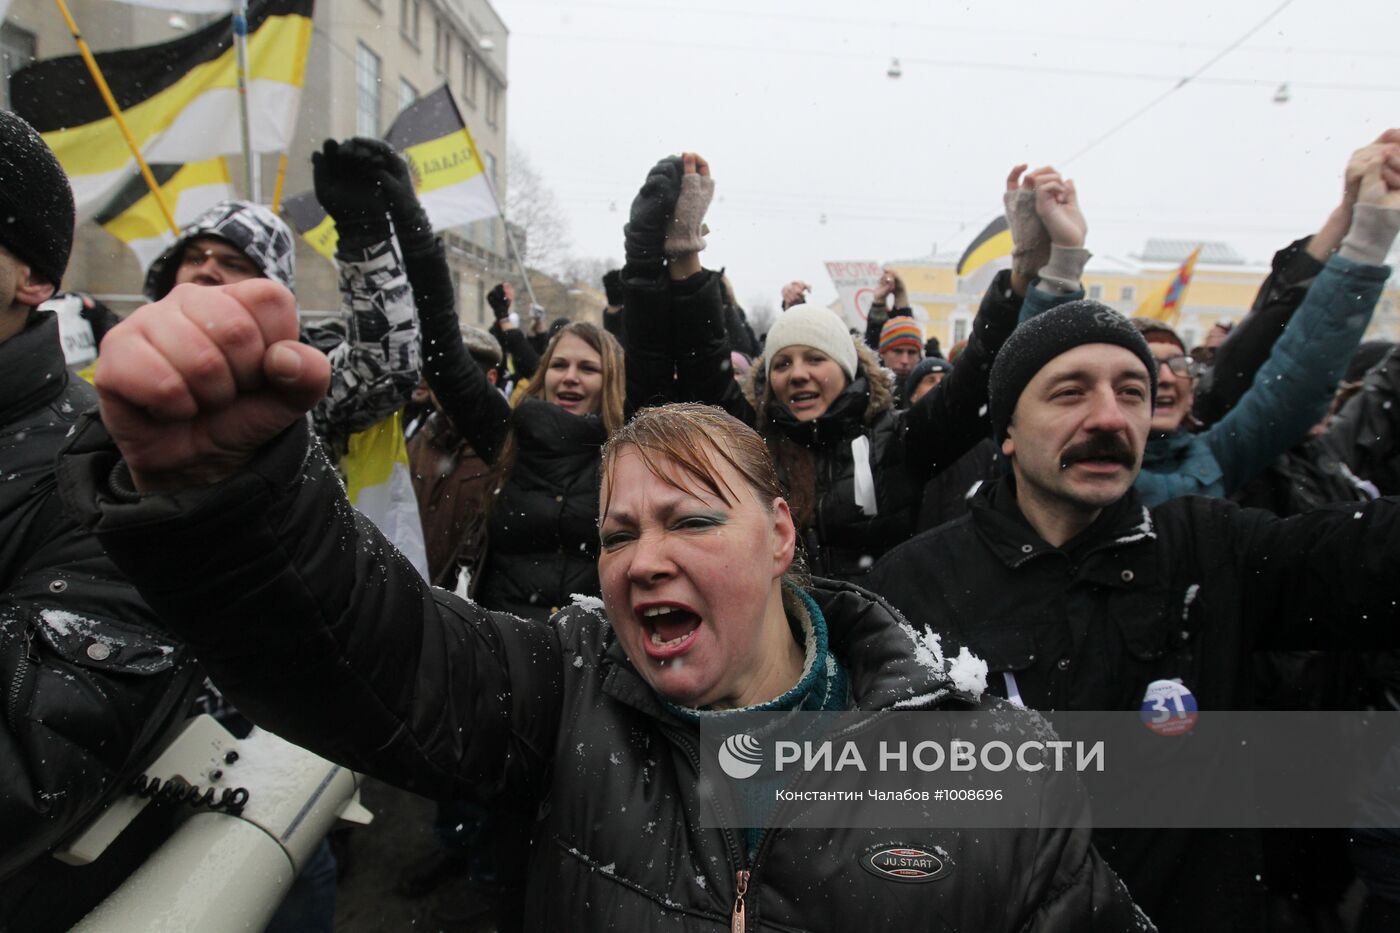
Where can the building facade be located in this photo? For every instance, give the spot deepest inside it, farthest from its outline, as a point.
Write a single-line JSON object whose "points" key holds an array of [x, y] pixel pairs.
{"points": [[368, 60], [1222, 288]]}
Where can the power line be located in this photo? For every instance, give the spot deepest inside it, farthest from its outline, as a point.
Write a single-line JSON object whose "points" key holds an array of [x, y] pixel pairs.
{"points": [[903, 25], [1123, 124], [960, 63]]}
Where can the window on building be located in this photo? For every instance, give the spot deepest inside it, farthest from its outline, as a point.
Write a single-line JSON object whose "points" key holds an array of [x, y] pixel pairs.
{"points": [[17, 49], [961, 326], [469, 73], [442, 46], [407, 94], [409, 13], [493, 101], [1127, 293], [1096, 292], [366, 91]]}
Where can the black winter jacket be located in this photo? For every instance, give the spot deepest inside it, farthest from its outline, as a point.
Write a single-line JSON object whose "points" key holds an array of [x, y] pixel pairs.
{"points": [[1189, 590], [1242, 354], [91, 690], [676, 352], [320, 632], [542, 534]]}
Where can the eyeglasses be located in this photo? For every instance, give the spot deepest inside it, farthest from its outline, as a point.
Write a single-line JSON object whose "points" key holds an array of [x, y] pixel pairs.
{"points": [[1181, 365]]}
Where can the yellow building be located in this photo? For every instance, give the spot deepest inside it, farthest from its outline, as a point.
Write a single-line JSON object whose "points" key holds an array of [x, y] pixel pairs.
{"points": [[1223, 288]]}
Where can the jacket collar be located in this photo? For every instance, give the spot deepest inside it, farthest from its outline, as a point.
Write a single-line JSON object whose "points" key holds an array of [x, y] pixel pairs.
{"points": [[32, 371], [1167, 447], [546, 431], [1124, 530], [844, 417]]}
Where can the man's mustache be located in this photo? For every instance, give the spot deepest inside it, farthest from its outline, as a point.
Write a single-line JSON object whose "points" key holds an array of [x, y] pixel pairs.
{"points": [[1111, 447]]}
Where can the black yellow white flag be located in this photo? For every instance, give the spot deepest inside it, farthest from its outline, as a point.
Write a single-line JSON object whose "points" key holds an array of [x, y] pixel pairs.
{"points": [[179, 98], [448, 172], [134, 217]]}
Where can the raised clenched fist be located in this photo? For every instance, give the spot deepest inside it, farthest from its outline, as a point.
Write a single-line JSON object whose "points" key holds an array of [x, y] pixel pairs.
{"points": [[192, 385]]}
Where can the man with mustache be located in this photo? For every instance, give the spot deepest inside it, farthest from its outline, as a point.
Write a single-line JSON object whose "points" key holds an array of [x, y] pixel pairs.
{"points": [[1080, 597]]}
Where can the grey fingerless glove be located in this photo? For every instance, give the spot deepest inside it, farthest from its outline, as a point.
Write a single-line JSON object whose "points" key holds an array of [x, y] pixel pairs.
{"points": [[1066, 266], [1031, 241], [685, 233], [1373, 230]]}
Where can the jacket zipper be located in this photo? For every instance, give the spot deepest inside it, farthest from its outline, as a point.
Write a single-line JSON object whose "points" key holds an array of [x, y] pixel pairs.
{"points": [[741, 887], [27, 659], [741, 875]]}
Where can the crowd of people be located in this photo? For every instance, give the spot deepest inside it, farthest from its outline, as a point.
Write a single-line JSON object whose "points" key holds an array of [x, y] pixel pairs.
{"points": [[635, 527]]}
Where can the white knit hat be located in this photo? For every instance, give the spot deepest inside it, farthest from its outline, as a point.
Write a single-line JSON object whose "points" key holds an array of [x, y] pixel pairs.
{"points": [[812, 326]]}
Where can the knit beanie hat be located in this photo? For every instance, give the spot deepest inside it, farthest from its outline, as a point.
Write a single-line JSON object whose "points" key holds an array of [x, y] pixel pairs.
{"points": [[36, 202], [1155, 331], [1044, 337], [901, 332], [812, 326], [929, 364]]}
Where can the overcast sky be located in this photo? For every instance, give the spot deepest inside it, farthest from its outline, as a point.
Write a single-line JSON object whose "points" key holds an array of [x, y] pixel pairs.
{"points": [[790, 101]]}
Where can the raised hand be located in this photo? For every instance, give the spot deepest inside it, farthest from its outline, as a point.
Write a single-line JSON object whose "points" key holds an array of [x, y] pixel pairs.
{"points": [[191, 386], [348, 183], [1377, 172], [644, 236], [1365, 159], [795, 293], [685, 234], [1057, 206], [1030, 240]]}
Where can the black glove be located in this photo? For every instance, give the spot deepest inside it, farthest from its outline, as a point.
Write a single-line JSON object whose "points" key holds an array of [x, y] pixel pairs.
{"points": [[500, 304], [348, 186], [411, 222], [644, 237], [612, 286]]}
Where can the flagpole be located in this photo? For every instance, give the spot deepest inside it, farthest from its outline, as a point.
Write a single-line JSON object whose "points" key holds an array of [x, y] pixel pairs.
{"points": [[240, 42], [277, 185], [116, 112], [302, 49], [491, 187]]}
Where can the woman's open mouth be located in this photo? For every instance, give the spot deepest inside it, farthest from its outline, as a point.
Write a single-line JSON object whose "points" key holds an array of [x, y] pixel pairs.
{"points": [[800, 399], [567, 398], [669, 629]]}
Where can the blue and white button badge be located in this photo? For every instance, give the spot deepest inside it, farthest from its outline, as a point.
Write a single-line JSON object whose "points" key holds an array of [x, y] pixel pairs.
{"points": [[1169, 708]]}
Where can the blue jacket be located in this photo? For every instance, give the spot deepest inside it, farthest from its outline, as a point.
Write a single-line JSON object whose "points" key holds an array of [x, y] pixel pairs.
{"points": [[1290, 393]]}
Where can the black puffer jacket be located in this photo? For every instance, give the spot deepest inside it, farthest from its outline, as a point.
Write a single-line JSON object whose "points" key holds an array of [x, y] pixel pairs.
{"points": [[90, 688], [1188, 591], [676, 351], [440, 696], [543, 532]]}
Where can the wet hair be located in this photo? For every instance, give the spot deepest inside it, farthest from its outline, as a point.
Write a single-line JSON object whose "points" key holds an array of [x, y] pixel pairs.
{"points": [[697, 440]]}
